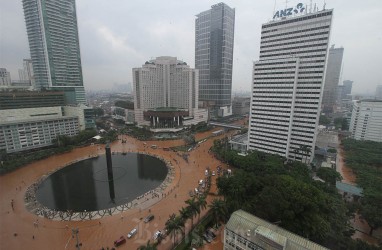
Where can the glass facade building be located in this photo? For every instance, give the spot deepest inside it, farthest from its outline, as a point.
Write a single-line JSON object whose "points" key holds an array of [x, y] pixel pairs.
{"points": [[54, 45], [214, 39]]}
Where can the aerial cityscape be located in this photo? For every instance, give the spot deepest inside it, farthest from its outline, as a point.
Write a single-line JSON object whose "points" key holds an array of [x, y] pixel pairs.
{"points": [[190, 125]]}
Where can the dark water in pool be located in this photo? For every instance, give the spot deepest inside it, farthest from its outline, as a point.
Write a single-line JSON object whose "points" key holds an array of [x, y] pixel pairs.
{"points": [[84, 185]]}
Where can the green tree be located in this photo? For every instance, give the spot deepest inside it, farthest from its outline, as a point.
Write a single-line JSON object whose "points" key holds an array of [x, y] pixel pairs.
{"points": [[371, 211], [202, 203], [329, 175], [173, 226], [184, 214], [324, 120], [148, 246], [193, 208], [98, 112], [219, 210]]}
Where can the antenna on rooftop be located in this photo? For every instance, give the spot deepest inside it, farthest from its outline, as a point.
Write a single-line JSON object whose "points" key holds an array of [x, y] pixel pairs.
{"points": [[310, 7], [324, 5], [286, 4], [274, 9]]}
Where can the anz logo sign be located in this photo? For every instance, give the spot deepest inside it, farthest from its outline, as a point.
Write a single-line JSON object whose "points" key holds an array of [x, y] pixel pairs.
{"points": [[290, 11]]}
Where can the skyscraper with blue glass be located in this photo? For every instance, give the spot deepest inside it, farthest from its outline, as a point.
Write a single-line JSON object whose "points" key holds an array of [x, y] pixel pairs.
{"points": [[214, 38], [54, 47]]}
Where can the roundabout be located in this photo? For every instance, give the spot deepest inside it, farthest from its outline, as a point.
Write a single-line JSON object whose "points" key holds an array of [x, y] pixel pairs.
{"points": [[25, 227]]}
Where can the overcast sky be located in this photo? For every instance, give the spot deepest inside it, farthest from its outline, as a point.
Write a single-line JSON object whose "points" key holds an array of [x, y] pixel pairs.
{"points": [[117, 35]]}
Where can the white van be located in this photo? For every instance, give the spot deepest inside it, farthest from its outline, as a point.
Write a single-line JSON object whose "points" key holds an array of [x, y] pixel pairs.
{"points": [[132, 233]]}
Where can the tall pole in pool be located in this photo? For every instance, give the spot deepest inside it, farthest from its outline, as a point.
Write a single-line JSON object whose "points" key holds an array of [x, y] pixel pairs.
{"points": [[110, 172]]}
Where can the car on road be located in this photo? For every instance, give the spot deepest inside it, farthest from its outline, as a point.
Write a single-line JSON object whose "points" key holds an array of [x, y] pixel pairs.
{"points": [[213, 173], [210, 233], [157, 235], [149, 218], [207, 238], [132, 233], [120, 241]]}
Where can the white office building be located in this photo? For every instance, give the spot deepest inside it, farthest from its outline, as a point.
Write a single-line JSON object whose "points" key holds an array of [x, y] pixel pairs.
{"points": [[288, 83], [5, 77], [166, 95], [366, 120], [30, 128]]}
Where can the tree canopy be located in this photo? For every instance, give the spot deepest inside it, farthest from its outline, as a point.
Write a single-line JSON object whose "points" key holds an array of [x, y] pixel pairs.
{"points": [[283, 192]]}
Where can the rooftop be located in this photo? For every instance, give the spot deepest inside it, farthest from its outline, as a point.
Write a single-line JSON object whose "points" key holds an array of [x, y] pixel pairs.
{"points": [[266, 234]]}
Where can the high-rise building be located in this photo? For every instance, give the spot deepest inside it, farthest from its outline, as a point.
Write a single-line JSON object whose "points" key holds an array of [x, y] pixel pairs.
{"points": [[214, 38], [54, 46], [332, 78], [288, 84], [346, 89], [378, 92], [366, 120], [5, 77], [166, 94]]}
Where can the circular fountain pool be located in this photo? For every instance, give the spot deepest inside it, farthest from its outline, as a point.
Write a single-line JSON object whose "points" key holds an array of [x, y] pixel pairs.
{"points": [[84, 185]]}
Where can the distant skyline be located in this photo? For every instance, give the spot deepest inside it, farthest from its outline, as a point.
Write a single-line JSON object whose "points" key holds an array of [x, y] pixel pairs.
{"points": [[115, 37]]}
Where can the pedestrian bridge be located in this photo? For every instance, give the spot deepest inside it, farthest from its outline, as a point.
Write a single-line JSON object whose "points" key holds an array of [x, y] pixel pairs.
{"points": [[225, 125]]}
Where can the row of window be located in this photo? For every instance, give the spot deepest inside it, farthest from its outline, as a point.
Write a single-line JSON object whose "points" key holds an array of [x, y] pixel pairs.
{"points": [[295, 47], [291, 53], [304, 35], [294, 42], [292, 32]]}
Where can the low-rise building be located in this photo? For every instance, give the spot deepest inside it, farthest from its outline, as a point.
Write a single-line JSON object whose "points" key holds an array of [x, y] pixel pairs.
{"points": [[5, 77], [127, 115], [366, 120], [84, 113], [245, 231], [239, 143], [25, 134], [31, 99], [241, 105]]}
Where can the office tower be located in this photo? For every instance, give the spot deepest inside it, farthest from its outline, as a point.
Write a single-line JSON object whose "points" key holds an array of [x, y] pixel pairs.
{"points": [[54, 47], [378, 92], [366, 120], [166, 94], [332, 77], [214, 37], [288, 83]]}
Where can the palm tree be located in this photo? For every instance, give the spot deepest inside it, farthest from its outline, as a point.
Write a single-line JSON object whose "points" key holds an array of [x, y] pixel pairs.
{"points": [[148, 247], [296, 151], [184, 214], [218, 210], [307, 150], [193, 208], [202, 204], [173, 226]]}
